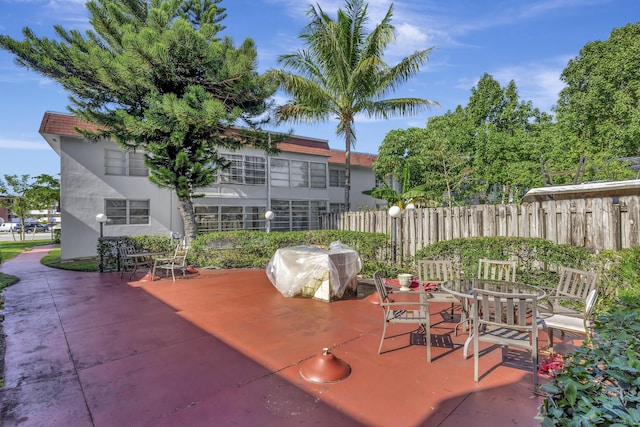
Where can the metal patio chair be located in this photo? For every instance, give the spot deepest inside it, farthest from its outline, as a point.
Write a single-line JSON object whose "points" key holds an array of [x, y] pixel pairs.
{"points": [[507, 320], [178, 261], [569, 322], [438, 271], [407, 312], [491, 269], [573, 286]]}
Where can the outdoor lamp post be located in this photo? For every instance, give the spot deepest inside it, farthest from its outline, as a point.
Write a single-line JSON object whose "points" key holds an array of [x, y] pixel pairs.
{"points": [[394, 213], [269, 215], [101, 218]]}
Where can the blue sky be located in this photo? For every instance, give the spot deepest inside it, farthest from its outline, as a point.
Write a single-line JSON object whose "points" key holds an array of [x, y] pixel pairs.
{"points": [[528, 41]]}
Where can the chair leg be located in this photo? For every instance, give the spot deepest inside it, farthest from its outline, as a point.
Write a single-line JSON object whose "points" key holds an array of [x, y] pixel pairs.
{"points": [[384, 331], [427, 337], [475, 358], [534, 362]]}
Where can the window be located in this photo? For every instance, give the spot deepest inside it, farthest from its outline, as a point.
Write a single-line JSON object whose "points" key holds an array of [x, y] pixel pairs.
{"points": [[316, 209], [123, 211], [231, 218], [247, 170], [337, 208], [255, 170], [279, 173], [380, 182], [124, 163], [218, 218], [233, 173], [299, 173], [336, 177], [297, 214], [282, 212], [318, 172], [207, 218]]}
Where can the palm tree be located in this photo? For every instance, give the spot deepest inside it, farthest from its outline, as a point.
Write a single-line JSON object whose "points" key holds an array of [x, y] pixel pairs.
{"points": [[342, 73]]}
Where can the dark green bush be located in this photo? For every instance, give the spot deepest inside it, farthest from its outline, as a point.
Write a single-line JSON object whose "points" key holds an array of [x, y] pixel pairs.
{"points": [[619, 271], [246, 249], [56, 235], [600, 382]]}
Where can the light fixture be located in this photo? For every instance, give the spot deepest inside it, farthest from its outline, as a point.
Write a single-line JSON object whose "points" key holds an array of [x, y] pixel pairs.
{"points": [[101, 218], [269, 215], [394, 213]]}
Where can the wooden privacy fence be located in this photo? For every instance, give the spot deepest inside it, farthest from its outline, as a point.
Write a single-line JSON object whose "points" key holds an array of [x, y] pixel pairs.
{"points": [[593, 223]]}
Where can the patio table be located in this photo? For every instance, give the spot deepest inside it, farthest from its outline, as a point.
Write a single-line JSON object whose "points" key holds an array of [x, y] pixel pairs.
{"points": [[143, 259], [463, 290]]}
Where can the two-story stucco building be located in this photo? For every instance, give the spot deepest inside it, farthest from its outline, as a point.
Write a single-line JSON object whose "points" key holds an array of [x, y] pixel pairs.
{"points": [[304, 179]]}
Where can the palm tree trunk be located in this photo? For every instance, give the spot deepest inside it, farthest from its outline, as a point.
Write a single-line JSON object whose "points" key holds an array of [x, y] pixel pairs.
{"points": [[347, 168]]}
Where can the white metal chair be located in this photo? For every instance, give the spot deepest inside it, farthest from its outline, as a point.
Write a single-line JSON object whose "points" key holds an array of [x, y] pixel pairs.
{"points": [[491, 269], [407, 312], [172, 263], [568, 322], [574, 285], [508, 320]]}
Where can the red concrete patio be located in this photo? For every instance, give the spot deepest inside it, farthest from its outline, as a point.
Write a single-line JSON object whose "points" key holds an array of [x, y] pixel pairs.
{"points": [[224, 348]]}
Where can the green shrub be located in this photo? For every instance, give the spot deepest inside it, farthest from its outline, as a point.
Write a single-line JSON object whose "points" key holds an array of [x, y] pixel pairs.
{"points": [[600, 383], [246, 249], [619, 271], [56, 235], [538, 259]]}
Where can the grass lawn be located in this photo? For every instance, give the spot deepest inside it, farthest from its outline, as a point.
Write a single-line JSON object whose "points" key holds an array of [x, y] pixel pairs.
{"points": [[52, 259]]}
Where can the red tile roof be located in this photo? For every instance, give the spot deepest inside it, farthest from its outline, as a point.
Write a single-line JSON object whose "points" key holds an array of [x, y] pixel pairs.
{"points": [[65, 124], [357, 159]]}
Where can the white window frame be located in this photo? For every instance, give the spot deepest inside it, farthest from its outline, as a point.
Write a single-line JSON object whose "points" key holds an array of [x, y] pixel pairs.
{"points": [[124, 163], [223, 218], [297, 215], [233, 174], [127, 211], [299, 176], [317, 175], [279, 174], [255, 170]]}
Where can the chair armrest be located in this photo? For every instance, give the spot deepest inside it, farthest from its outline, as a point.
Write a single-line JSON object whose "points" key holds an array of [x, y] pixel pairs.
{"points": [[404, 304], [411, 292], [564, 297], [553, 300]]}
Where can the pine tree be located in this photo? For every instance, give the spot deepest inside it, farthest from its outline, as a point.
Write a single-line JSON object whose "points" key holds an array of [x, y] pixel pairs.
{"points": [[155, 76]]}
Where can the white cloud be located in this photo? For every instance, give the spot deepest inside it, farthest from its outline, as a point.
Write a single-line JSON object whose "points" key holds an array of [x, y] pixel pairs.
{"points": [[537, 82], [15, 144]]}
